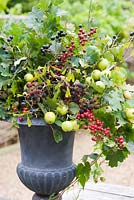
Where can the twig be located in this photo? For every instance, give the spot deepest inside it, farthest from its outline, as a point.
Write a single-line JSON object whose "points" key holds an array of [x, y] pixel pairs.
{"points": [[89, 15]]}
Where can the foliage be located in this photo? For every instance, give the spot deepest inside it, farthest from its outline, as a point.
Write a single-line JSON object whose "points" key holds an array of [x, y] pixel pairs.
{"points": [[110, 17], [72, 78], [26, 5]]}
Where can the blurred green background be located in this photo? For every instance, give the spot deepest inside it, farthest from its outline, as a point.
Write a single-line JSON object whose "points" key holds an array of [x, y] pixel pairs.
{"points": [[112, 17]]}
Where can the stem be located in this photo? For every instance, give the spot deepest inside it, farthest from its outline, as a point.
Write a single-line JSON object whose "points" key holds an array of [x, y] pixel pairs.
{"points": [[89, 14], [99, 156]]}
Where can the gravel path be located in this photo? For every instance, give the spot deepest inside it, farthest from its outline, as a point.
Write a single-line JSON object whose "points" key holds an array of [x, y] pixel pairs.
{"points": [[12, 189]]}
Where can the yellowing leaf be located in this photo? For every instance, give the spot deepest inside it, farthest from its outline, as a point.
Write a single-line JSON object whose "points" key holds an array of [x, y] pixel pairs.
{"points": [[29, 121], [67, 93]]}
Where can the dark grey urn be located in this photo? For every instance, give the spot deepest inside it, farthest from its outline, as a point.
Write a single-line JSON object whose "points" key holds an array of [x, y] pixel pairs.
{"points": [[46, 166]]}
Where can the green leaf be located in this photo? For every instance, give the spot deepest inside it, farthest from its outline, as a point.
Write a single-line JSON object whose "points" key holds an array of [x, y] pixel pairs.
{"points": [[83, 173], [35, 20], [120, 118], [44, 4], [92, 55], [51, 103], [74, 108], [3, 4], [75, 61], [114, 98], [58, 122], [114, 157], [4, 70], [85, 158], [128, 131], [93, 156], [57, 2], [14, 87], [57, 135], [106, 81], [41, 106], [129, 103]]}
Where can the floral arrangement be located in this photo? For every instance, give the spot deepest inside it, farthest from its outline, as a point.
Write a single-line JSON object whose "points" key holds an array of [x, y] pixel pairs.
{"points": [[73, 78]]}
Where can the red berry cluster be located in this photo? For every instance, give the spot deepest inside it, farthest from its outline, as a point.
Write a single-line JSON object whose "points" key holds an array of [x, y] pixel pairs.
{"points": [[87, 114], [92, 31], [83, 36], [120, 141], [96, 128], [67, 53]]}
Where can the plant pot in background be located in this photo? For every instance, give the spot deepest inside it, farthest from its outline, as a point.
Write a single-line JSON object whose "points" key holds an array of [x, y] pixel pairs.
{"points": [[46, 166]]}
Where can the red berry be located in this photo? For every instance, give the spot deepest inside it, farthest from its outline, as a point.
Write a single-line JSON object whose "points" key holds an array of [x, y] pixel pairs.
{"points": [[15, 109], [116, 140], [80, 30], [100, 136], [94, 139], [29, 84], [94, 30], [85, 127], [121, 137], [82, 116], [20, 119], [25, 109], [89, 34], [121, 146], [110, 135], [121, 141]]}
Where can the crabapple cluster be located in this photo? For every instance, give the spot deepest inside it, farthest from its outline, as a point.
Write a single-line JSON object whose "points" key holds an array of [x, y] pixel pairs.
{"points": [[76, 92], [119, 141]]}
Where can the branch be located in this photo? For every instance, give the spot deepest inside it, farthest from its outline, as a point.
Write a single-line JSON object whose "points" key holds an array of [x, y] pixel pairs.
{"points": [[89, 15]]}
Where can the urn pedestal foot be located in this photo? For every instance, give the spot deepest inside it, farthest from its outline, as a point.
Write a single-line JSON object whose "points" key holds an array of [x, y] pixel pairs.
{"points": [[41, 197]]}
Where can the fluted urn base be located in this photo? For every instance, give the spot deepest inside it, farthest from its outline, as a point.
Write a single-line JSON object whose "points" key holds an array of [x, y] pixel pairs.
{"points": [[46, 167], [46, 182], [39, 197]]}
